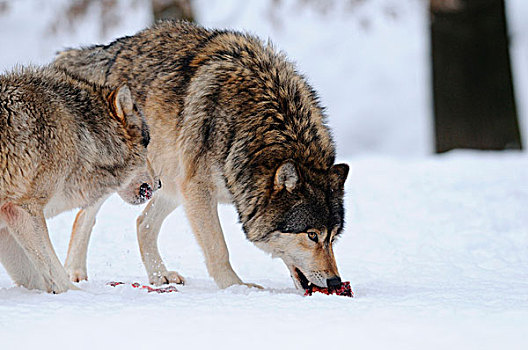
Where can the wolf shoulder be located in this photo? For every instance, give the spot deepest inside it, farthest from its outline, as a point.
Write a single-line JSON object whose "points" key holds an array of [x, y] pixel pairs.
{"points": [[48, 125], [38, 109]]}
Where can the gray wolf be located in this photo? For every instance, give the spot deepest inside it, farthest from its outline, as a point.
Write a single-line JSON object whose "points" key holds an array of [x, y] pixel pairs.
{"points": [[232, 121], [64, 143]]}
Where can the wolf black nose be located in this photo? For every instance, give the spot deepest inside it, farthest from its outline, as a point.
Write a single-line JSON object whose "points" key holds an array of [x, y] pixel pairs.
{"points": [[145, 191], [333, 283]]}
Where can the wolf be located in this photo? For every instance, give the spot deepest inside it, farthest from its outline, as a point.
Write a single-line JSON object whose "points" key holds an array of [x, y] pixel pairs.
{"points": [[232, 121], [64, 143]]}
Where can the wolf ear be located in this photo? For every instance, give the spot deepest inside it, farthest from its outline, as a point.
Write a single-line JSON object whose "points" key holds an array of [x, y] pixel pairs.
{"points": [[122, 103], [286, 176], [338, 175]]}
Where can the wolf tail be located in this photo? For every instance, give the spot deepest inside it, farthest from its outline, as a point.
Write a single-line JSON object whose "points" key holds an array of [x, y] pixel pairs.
{"points": [[91, 63]]}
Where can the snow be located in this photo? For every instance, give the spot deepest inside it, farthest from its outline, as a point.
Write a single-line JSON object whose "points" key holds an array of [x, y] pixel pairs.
{"points": [[435, 247], [436, 250]]}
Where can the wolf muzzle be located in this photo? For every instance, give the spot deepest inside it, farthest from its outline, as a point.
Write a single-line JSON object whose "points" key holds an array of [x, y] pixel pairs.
{"points": [[145, 191], [334, 282]]}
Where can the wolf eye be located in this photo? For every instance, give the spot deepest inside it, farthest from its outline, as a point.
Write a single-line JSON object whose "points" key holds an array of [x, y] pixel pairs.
{"points": [[313, 236]]}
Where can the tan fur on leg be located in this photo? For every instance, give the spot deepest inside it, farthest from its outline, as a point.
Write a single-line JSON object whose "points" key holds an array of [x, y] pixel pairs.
{"points": [[202, 213], [84, 222], [28, 227], [148, 227], [17, 264]]}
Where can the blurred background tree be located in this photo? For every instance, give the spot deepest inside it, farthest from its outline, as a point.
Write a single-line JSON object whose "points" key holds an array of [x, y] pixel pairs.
{"points": [[176, 9], [473, 94], [474, 104], [108, 12]]}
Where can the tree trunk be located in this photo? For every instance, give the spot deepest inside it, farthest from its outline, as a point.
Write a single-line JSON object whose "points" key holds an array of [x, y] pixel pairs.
{"points": [[474, 103], [173, 9]]}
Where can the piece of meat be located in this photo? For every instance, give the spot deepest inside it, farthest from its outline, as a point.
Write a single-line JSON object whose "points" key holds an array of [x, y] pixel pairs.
{"points": [[344, 290]]}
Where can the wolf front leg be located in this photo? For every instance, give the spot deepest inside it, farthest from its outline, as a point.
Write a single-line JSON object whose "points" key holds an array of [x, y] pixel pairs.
{"points": [[28, 227], [201, 210], [148, 228], [17, 264], [84, 222]]}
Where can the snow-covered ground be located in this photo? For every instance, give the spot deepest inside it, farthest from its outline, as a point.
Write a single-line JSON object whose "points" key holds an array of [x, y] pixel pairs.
{"points": [[435, 247], [436, 251]]}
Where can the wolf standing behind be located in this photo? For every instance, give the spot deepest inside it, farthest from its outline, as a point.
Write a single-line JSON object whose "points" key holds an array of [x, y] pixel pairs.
{"points": [[64, 143], [231, 121]]}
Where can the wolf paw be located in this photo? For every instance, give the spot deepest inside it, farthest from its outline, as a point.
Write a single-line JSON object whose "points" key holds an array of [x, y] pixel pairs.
{"points": [[57, 288], [78, 275], [166, 278]]}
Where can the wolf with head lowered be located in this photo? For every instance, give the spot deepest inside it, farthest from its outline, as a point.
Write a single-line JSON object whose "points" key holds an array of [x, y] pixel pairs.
{"points": [[231, 121]]}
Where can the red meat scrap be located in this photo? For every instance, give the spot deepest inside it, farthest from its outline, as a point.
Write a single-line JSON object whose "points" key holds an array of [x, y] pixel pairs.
{"points": [[345, 290]]}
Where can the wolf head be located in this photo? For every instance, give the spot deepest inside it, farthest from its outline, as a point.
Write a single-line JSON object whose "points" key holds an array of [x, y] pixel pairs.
{"points": [[301, 222], [141, 182], [142, 186]]}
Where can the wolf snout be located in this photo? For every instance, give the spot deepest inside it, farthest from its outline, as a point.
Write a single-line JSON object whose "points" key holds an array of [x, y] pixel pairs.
{"points": [[334, 282], [145, 191]]}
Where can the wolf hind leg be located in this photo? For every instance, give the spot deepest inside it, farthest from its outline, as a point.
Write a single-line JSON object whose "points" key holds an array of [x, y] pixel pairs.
{"points": [[148, 228], [17, 264], [75, 263], [27, 226]]}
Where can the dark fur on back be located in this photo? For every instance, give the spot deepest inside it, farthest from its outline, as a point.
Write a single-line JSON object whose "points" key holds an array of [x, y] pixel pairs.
{"points": [[237, 107]]}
